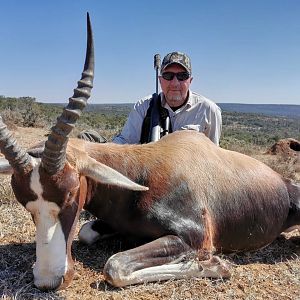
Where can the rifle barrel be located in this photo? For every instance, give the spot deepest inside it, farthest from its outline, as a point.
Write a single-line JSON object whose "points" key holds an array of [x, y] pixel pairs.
{"points": [[157, 67]]}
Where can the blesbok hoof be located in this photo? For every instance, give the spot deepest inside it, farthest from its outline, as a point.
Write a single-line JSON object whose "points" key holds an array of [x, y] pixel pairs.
{"points": [[93, 231], [215, 267], [45, 284], [87, 235]]}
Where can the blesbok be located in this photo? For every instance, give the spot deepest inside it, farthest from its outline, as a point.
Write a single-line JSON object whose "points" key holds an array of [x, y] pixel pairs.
{"points": [[191, 198]]}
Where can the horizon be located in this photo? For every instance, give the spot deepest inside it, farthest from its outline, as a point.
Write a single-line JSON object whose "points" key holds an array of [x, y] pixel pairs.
{"points": [[132, 103], [106, 102], [241, 52]]}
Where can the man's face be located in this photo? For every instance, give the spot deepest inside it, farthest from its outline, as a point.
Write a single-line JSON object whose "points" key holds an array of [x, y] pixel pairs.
{"points": [[175, 91]]}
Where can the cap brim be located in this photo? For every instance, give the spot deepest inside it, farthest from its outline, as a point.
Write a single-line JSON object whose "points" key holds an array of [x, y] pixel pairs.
{"points": [[177, 63]]}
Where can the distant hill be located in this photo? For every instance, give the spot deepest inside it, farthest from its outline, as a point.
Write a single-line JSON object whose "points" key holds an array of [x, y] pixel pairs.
{"points": [[266, 109], [107, 109], [284, 110], [116, 108]]}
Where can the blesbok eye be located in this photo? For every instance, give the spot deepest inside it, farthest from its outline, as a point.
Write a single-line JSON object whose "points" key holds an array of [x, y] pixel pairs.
{"points": [[71, 194]]}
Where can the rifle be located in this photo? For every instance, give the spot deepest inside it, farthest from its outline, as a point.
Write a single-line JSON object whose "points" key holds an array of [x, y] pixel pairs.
{"points": [[159, 118], [154, 134]]}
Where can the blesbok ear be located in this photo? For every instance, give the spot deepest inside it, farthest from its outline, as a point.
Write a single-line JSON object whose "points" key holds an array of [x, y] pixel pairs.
{"points": [[5, 167], [106, 175]]}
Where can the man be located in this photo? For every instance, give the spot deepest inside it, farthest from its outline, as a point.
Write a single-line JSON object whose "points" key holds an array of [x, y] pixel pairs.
{"points": [[186, 109]]}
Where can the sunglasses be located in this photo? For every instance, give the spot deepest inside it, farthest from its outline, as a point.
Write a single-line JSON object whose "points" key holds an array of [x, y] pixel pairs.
{"points": [[181, 76]]}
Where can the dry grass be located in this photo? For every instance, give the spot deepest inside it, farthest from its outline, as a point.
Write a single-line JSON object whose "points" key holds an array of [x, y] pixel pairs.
{"points": [[270, 273]]}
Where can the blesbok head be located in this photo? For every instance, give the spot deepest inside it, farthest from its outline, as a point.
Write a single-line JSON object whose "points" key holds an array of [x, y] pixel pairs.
{"points": [[53, 188]]}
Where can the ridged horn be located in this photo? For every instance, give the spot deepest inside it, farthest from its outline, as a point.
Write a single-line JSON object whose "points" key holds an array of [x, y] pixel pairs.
{"points": [[19, 159], [54, 155]]}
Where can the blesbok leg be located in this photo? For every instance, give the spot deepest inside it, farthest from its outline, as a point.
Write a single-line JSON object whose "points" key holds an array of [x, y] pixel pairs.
{"points": [[93, 231], [165, 258]]}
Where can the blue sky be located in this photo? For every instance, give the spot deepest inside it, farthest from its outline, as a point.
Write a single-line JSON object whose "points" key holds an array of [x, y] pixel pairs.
{"points": [[241, 51]]}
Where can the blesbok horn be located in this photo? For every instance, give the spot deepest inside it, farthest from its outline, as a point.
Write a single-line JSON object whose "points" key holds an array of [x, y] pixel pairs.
{"points": [[54, 155], [19, 159]]}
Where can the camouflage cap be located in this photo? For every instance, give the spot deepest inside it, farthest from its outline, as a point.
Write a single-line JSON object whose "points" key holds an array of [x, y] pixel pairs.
{"points": [[177, 58]]}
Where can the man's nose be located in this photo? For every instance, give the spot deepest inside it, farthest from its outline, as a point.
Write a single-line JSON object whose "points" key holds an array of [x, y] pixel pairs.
{"points": [[175, 81]]}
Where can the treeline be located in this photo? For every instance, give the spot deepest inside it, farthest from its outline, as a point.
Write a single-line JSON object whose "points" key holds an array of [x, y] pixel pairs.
{"points": [[23, 111], [26, 112], [258, 129], [239, 129]]}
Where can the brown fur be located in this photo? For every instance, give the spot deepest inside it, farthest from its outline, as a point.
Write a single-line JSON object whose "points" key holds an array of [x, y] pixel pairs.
{"points": [[221, 176]]}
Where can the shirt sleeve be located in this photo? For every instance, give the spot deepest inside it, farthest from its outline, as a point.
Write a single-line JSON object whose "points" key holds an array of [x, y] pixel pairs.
{"points": [[214, 130], [131, 132]]}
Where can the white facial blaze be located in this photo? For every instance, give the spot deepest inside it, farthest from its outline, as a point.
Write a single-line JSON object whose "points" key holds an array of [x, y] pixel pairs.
{"points": [[51, 257]]}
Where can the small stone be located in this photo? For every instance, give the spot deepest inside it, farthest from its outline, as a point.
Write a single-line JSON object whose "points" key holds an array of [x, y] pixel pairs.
{"points": [[188, 294]]}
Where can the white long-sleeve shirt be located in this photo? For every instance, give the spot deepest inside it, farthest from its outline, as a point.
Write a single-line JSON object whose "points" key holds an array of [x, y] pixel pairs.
{"points": [[199, 113]]}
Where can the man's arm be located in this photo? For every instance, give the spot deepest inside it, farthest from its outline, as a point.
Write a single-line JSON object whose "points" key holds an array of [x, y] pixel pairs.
{"points": [[131, 132], [215, 128]]}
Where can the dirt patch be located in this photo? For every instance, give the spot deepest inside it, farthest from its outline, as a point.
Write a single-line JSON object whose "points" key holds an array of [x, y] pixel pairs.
{"points": [[288, 147], [30, 136], [289, 151]]}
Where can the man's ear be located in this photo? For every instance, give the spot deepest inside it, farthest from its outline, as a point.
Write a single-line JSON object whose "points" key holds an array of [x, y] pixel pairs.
{"points": [[191, 79]]}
